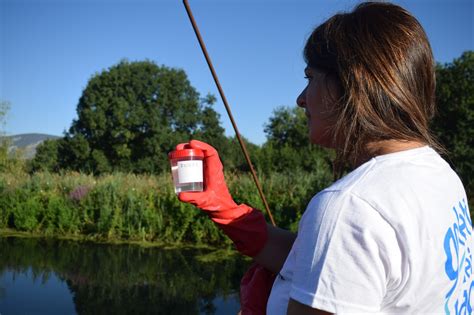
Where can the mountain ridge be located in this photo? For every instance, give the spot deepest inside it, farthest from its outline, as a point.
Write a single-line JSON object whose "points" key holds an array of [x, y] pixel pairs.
{"points": [[27, 143]]}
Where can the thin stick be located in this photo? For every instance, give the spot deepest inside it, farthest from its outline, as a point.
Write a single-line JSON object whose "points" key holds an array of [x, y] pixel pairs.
{"points": [[221, 92]]}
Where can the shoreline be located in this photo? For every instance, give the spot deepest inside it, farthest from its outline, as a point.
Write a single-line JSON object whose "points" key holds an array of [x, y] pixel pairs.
{"points": [[207, 253], [97, 240]]}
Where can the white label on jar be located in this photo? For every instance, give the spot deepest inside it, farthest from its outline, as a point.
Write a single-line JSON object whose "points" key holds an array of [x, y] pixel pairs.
{"points": [[190, 171]]}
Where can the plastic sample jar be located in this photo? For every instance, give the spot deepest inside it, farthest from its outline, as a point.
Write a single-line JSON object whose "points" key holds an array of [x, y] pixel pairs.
{"points": [[187, 169]]}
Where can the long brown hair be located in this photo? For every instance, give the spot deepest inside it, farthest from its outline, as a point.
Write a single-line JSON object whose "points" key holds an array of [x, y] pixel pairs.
{"points": [[381, 58]]}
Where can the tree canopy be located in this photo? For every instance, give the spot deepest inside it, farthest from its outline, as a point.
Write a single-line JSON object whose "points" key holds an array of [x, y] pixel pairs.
{"points": [[454, 123], [130, 116], [4, 143], [288, 147]]}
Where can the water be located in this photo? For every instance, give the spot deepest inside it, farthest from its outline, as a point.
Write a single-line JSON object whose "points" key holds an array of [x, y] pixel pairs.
{"points": [[39, 276], [189, 186]]}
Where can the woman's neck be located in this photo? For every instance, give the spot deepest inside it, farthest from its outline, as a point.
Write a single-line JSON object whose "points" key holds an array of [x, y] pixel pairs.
{"points": [[382, 147]]}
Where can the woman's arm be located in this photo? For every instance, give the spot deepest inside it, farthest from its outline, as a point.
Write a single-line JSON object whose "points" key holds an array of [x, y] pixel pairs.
{"points": [[276, 249], [273, 256], [243, 224]]}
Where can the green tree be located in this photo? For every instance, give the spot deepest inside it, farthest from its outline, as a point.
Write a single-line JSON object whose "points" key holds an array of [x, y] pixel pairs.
{"points": [[232, 156], [4, 109], [11, 161], [454, 123], [46, 157], [4, 141], [288, 126], [210, 129], [74, 153], [288, 148], [131, 115]]}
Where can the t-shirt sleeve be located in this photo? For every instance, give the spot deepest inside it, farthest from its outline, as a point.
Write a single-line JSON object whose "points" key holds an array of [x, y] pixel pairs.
{"points": [[345, 255]]}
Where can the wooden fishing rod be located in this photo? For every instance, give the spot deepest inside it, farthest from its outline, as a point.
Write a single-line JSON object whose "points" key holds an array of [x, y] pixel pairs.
{"points": [[227, 107]]}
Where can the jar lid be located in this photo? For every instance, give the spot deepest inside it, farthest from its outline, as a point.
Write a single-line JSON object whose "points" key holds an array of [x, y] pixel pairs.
{"points": [[185, 153]]}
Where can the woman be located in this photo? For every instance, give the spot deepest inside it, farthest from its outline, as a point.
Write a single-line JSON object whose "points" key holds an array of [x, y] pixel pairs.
{"points": [[394, 235]]}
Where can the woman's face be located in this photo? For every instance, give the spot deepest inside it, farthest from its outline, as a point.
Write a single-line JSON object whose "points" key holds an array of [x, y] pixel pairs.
{"points": [[318, 99]]}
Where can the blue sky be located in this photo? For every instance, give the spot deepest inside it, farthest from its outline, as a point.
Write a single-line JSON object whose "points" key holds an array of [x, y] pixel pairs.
{"points": [[49, 49]]}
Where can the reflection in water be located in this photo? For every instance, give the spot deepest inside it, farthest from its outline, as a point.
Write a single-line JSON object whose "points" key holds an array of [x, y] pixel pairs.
{"points": [[25, 294], [105, 279]]}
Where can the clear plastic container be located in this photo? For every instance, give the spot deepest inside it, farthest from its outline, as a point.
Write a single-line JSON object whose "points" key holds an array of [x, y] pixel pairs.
{"points": [[187, 169]]}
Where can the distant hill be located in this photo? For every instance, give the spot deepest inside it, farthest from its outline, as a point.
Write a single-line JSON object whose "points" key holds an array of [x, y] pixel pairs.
{"points": [[27, 143]]}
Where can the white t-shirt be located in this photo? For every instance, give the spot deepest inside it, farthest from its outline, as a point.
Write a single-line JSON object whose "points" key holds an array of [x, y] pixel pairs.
{"points": [[393, 236]]}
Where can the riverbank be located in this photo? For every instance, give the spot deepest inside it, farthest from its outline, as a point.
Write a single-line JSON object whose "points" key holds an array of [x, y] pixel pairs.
{"points": [[206, 253], [137, 209], [98, 240]]}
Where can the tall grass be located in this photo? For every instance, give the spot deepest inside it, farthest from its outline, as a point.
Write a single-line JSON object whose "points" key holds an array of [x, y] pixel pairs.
{"points": [[138, 207]]}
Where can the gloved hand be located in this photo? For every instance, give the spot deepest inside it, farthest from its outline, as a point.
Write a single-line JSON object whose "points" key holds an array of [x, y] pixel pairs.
{"points": [[255, 289], [243, 224]]}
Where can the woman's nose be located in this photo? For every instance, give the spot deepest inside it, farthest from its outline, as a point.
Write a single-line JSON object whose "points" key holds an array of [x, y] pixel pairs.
{"points": [[301, 99]]}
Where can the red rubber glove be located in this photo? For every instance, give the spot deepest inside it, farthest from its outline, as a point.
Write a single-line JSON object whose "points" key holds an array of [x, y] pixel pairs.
{"points": [[255, 289], [245, 226]]}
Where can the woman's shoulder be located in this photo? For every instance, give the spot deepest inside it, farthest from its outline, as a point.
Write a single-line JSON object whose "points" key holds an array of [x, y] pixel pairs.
{"points": [[399, 170], [411, 186], [392, 183]]}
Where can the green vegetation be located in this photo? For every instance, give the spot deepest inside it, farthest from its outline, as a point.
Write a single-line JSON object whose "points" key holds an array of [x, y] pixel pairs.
{"points": [[132, 114], [129, 117], [454, 123], [127, 207], [9, 162]]}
